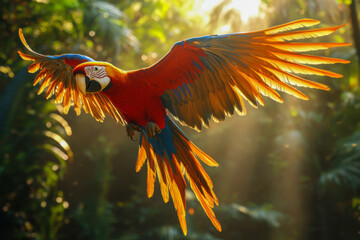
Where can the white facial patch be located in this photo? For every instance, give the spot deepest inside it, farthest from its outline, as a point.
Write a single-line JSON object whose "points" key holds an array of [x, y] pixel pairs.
{"points": [[103, 82], [99, 74]]}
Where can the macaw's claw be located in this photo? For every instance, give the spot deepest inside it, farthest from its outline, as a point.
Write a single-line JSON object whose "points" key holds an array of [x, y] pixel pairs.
{"points": [[130, 130], [152, 129]]}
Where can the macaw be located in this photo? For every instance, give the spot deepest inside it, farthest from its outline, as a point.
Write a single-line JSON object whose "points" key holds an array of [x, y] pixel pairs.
{"points": [[199, 79]]}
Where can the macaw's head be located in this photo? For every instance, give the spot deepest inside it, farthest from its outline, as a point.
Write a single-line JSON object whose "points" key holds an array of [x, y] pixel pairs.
{"points": [[92, 77]]}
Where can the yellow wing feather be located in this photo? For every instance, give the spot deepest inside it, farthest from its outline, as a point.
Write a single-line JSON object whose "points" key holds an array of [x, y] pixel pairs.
{"points": [[302, 34], [292, 25], [245, 66]]}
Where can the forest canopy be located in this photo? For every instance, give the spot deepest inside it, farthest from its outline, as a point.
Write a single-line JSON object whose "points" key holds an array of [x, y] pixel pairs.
{"points": [[287, 171]]}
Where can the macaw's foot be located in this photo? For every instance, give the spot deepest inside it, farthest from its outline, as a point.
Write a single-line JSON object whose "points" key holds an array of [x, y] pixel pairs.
{"points": [[152, 129], [131, 128]]}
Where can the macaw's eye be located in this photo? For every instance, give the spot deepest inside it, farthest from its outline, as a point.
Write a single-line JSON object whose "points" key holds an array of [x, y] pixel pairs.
{"points": [[96, 69]]}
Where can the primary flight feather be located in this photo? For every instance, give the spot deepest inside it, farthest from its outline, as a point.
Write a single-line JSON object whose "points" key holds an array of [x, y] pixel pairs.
{"points": [[199, 79]]}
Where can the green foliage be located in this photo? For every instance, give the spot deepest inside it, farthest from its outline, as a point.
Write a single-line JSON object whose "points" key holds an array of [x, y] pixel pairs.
{"points": [[287, 171], [261, 213], [94, 215], [34, 156], [344, 168]]}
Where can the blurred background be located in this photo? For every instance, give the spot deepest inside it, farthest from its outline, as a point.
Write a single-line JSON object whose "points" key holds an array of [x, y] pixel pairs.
{"points": [[287, 171]]}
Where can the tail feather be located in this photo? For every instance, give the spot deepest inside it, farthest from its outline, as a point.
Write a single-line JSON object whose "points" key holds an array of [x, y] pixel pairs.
{"points": [[159, 165], [207, 208], [178, 179], [151, 175], [141, 156], [191, 165], [171, 156]]}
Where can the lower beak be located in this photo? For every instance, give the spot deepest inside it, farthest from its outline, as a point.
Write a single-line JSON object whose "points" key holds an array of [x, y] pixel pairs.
{"points": [[80, 83]]}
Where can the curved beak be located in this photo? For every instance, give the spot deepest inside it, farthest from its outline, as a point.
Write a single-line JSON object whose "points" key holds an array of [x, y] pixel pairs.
{"points": [[87, 85], [80, 82]]}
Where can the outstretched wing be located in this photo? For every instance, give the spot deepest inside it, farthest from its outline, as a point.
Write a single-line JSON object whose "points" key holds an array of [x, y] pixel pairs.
{"points": [[56, 75], [209, 77]]}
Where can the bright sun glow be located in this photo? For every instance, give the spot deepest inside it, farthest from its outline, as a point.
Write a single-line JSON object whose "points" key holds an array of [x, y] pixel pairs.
{"points": [[247, 8]]}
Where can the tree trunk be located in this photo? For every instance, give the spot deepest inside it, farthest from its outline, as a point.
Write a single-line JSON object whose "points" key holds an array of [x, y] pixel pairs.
{"points": [[355, 27]]}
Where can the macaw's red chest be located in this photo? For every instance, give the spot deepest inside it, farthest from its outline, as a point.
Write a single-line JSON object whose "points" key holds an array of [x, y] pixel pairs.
{"points": [[137, 105]]}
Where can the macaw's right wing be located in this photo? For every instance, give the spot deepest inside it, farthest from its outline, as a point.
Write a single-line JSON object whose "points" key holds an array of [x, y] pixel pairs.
{"points": [[56, 75]]}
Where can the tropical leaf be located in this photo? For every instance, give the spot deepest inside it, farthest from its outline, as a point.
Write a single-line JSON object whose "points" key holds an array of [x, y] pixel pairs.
{"points": [[344, 166], [261, 213]]}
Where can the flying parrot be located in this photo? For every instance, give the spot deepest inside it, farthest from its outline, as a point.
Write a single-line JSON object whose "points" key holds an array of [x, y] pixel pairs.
{"points": [[199, 79]]}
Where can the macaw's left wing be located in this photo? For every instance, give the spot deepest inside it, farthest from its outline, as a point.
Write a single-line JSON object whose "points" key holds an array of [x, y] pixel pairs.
{"points": [[56, 75], [209, 77]]}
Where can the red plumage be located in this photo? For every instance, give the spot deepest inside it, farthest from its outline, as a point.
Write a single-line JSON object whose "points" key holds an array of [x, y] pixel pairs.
{"points": [[198, 80]]}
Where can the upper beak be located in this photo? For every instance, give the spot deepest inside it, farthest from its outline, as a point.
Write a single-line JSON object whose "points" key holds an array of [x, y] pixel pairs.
{"points": [[80, 82], [86, 85]]}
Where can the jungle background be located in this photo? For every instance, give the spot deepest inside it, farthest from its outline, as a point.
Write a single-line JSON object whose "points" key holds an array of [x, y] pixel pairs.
{"points": [[287, 171]]}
